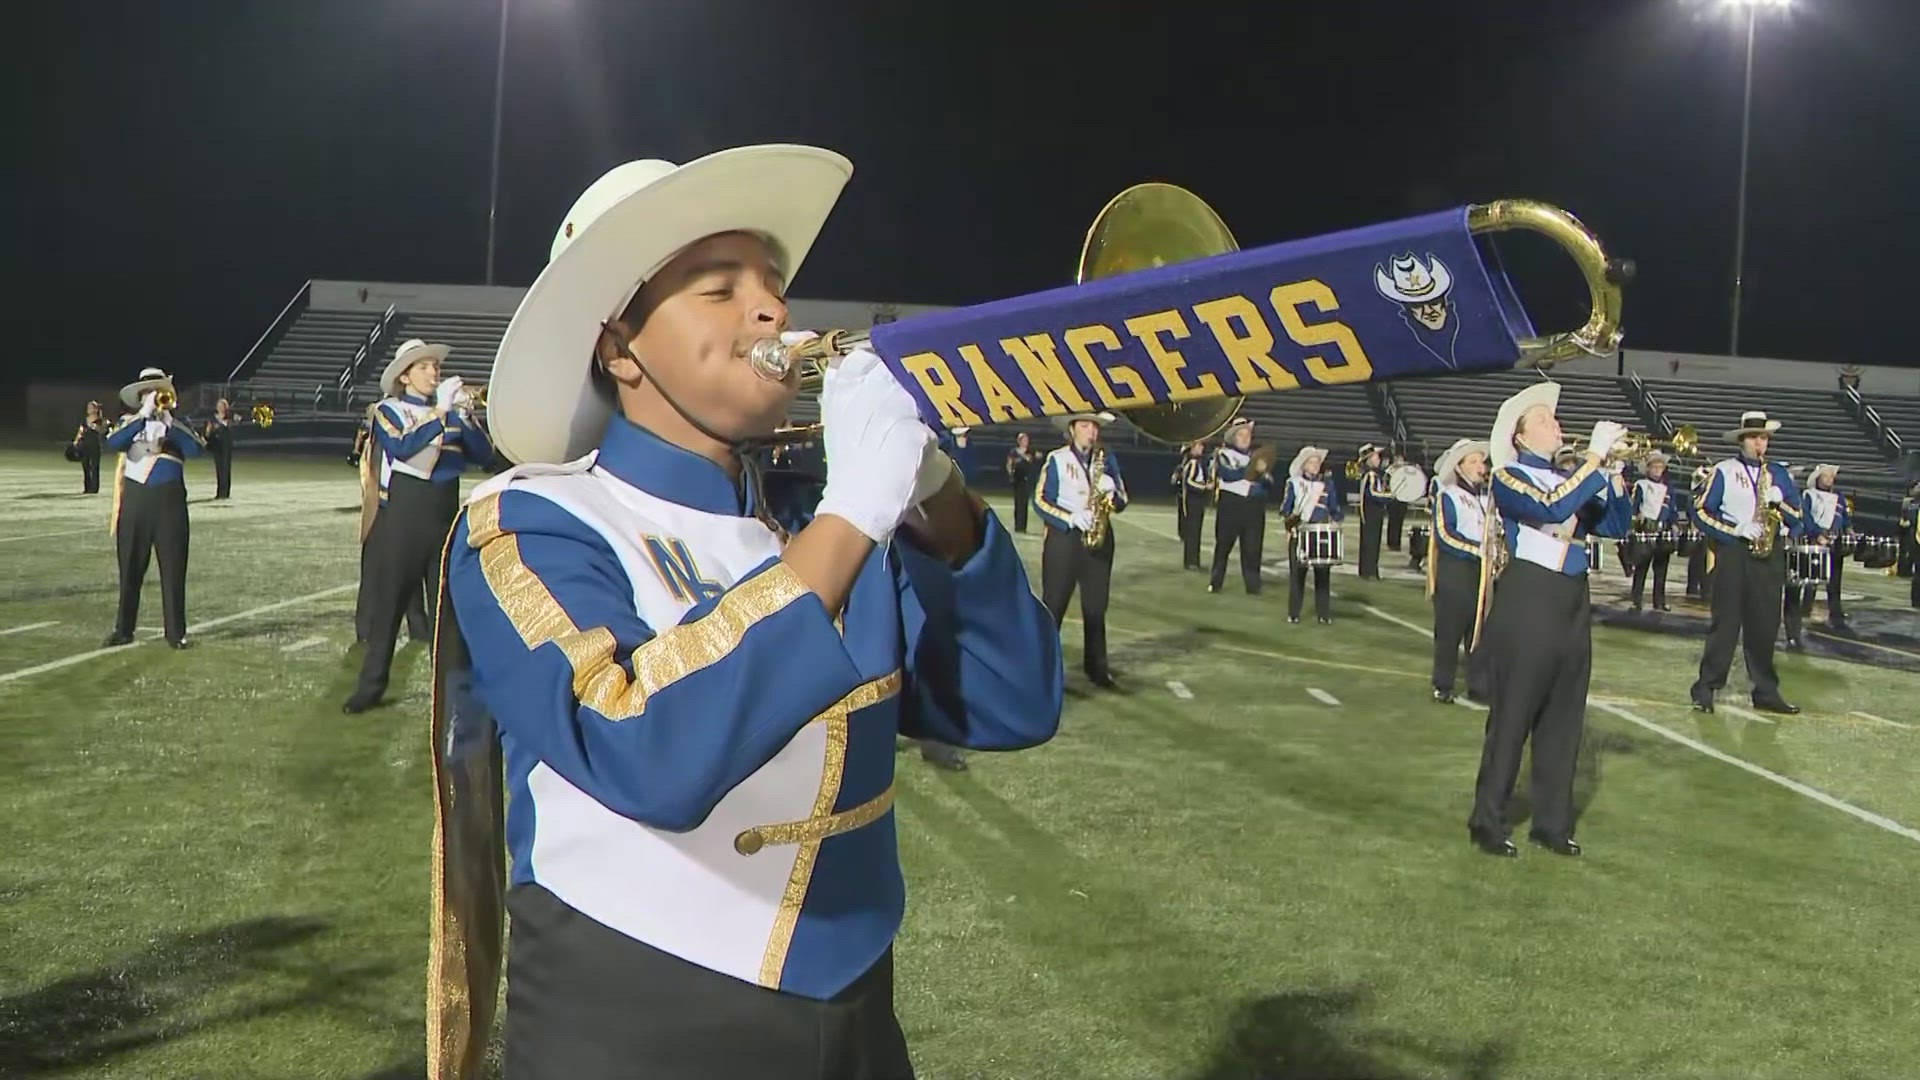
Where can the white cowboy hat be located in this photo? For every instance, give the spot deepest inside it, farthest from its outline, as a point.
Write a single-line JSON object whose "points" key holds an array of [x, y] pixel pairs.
{"points": [[1410, 280], [1500, 451], [1365, 449], [150, 379], [1659, 457], [541, 402], [1297, 470], [1065, 423], [408, 354], [1814, 472], [1753, 422], [1448, 468]]}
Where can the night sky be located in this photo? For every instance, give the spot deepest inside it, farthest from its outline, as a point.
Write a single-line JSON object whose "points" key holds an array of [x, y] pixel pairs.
{"points": [[179, 169]]}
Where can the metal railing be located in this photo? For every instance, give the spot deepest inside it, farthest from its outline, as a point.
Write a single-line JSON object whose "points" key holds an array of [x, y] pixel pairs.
{"points": [[1870, 418], [1649, 404], [295, 307], [369, 346]]}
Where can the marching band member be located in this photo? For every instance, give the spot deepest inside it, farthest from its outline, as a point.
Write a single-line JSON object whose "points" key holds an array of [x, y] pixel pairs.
{"points": [[1699, 562], [697, 680], [1396, 508], [1309, 500], [86, 445], [1375, 498], [1909, 529], [1748, 590], [1825, 519], [1023, 466], [1066, 504], [1653, 508], [1193, 484], [1459, 528], [375, 473], [1539, 632], [1240, 516], [217, 432], [427, 436], [150, 504]]}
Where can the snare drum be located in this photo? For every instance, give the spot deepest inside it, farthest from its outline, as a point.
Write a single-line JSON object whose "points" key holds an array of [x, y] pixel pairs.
{"points": [[1318, 544], [1666, 541], [1593, 554], [1882, 552], [1808, 564], [1417, 541], [1642, 543], [1687, 540]]}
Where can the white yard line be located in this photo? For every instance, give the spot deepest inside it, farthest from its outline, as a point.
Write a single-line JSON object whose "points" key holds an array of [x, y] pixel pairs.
{"points": [[1795, 786], [1879, 719], [305, 643], [1322, 696], [1397, 620], [1179, 690], [1748, 714], [80, 658], [29, 626], [43, 536]]}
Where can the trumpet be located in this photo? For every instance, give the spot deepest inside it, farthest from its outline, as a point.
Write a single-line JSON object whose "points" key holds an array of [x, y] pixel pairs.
{"points": [[1151, 226], [1354, 470], [472, 397], [263, 414], [164, 399], [1637, 446]]}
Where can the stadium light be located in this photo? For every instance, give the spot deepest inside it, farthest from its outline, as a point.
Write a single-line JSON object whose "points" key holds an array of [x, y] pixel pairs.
{"points": [[1752, 9], [499, 90]]}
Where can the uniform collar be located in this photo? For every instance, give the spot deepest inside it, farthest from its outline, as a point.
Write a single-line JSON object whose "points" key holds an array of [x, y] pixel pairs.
{"points": [[1750, 463], [645, 461], [1528, 457], [412, 398]]}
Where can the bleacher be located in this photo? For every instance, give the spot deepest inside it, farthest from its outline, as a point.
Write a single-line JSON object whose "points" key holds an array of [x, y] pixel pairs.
{"points": [[313, 351], [1902, 414], [474, 336], [1437, 410], [1816, 427], [1338, 418]]}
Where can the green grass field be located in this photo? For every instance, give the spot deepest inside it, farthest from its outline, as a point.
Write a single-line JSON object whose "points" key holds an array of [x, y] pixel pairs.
{"points": [[210, 872]]}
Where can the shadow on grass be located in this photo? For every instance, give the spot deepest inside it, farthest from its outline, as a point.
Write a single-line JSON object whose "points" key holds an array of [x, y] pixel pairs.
{"points": [[1313, 1036], [157, 996]]}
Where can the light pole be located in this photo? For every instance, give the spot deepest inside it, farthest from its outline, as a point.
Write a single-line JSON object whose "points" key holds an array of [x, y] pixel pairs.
{"points": [[500, 89], [1746, 137]]}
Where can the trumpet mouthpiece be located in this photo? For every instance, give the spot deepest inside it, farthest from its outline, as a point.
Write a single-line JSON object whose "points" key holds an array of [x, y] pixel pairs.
{"points": [[770, 359]]}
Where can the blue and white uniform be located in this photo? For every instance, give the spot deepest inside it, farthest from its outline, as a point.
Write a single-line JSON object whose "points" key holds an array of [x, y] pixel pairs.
{"points": [[150, 521], [698, 755]]}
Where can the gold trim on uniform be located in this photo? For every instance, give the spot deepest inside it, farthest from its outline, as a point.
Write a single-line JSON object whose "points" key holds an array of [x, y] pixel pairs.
{"points": [[832, 771], [1548, 498]]}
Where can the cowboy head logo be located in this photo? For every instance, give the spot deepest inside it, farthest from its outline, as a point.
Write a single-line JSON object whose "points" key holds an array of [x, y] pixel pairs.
{"points": [[1423, 288]]}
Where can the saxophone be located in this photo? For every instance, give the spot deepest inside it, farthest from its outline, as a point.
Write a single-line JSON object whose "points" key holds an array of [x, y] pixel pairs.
{"points": [[1098, 501], [1770, 517]]}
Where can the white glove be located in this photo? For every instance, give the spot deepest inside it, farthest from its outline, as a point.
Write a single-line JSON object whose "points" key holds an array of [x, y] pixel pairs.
{"points": [[147, 403], [446, 392], [1105, 483], [1750, 531], [936, 468], [1606, 433], [875, 444], [1082, 520]]}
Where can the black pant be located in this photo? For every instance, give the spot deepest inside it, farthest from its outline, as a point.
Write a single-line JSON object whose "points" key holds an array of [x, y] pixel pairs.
{"points": [[588, 1003], [222, 469], [1297, 586], [1193, 518], [153, 525], [89, 474], [1373, 515], [1659, 564], [1903, 564], [1396, 517], [1022, 502], [1456, 602], [419, 627], [1540, 659], [1747, 606], [1242, 520], [1699, 581], [1066, 561], [402, 564]]}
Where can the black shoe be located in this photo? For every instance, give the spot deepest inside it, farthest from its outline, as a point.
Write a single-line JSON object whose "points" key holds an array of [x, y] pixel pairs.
{"points": [[116, 640], [1103, 680], [1494, 845], [361, 701], [1327, 620], [1660, 605], [1776, 704], [1255, 591], [182, 643], [1559, 845], [945, 757], [1839, 626], [1443, 697], [1635, 609], [1293, 618], [1793, 645], [1213, 588], [1702, 699]]}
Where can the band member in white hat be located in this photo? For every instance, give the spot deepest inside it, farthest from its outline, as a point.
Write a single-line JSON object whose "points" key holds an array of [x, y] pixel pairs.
{"points": [[427, 436], [1654, 508], [1376, 499], [1825, 521], [1309, 500], [1539, 631], [697, 680], [1070, 480], [150, 504], [1453, 574], [1748, 587], [1240, 514]]}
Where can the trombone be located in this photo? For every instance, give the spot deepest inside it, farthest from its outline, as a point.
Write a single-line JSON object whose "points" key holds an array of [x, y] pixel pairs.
{"points": [[1637, 447]]}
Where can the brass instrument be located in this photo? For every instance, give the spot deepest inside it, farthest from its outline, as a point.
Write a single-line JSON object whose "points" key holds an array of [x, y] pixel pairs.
{"points": [[164, 399], [263, 414], [1154, 224], [1354, 470], [1099, 501], [473, 398], [1636, 446], [1770, 516]]}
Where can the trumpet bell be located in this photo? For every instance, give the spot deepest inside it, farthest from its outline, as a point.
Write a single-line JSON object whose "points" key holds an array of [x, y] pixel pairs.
{"points": [[263, 415], [1150, 225], [164, 398]]}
